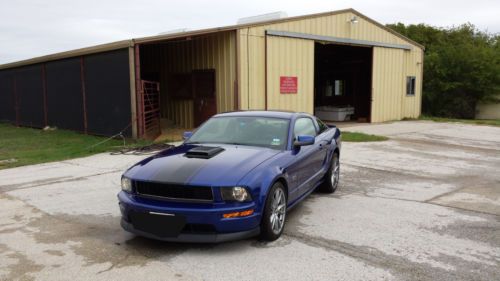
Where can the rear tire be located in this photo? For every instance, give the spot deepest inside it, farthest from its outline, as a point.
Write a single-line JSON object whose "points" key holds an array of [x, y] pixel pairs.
{"points": [[273, 219], [332, 177]]}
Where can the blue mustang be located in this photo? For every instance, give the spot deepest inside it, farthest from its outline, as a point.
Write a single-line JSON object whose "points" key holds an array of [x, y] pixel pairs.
{"points": [[234, 177]]}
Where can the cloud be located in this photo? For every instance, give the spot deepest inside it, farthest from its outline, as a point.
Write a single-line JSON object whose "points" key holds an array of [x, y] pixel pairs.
{"points": [[30, 28]]}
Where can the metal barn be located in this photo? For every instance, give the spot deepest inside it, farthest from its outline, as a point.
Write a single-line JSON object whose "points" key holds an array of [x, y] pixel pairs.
{"points": [[331, 64]]}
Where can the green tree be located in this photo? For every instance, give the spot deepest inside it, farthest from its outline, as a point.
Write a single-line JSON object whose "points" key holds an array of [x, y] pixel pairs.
{"points": [[461, 68]]}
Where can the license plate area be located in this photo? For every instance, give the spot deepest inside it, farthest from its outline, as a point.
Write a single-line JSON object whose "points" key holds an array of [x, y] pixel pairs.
{"points": [[162, 225]]}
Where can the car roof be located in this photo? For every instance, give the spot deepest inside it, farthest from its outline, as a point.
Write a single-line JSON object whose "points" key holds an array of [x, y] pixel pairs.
{"points": [[262, 113]]}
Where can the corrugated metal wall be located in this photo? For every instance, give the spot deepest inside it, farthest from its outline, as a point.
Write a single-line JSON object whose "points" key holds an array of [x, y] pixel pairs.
{"points": [[390, 69], [282, 61], [413, 66], [388, 84], [52, 94], [389, 93], [217, 51], [251, 70]]}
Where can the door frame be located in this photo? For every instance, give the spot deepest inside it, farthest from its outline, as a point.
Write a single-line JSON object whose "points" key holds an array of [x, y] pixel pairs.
{"points": [[193, 89]]}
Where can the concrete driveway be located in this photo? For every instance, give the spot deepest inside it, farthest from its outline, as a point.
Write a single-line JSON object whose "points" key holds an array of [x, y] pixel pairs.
{"points": [[424, 205]]}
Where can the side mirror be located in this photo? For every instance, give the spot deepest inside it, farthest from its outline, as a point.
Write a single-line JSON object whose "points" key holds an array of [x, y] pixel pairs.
{"points": [[187, 135], [303, 141]]}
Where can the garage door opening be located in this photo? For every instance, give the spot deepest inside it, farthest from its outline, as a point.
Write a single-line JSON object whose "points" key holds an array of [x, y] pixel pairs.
{"points": [[342, 79], [195, 78]]}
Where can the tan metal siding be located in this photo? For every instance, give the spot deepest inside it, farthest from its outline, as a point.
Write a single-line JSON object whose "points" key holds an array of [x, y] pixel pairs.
{"points": [[290, 57], [387, 84], [216, 51], [390, 66], [412, 61], [337, 25], [252, 72]]}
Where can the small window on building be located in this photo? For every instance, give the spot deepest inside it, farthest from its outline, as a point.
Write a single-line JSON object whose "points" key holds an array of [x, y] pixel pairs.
{"points": [[339, 87], [334, 87], [410, 85]]}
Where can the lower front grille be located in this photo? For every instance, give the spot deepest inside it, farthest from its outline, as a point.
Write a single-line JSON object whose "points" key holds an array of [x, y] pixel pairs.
{"points": [[195, 228], [174, 191]]}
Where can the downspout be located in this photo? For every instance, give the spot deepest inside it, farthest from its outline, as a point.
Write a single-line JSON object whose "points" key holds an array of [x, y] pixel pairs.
{"points": [[265, 69], [237, 71], [248, 71]]}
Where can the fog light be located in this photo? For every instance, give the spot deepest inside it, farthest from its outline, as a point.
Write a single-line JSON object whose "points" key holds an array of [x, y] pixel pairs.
{"points": [[238, 214]]}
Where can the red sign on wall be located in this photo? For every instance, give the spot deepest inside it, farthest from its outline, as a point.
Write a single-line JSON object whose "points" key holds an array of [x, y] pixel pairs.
{"points": [[288, 84]]}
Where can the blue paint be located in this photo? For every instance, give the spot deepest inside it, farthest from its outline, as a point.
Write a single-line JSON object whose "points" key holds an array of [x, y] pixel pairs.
{"points": [[300, 168]]}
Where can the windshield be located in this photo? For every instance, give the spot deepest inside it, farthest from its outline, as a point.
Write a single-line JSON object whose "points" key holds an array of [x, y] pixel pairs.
{"points": [[253, 131]]}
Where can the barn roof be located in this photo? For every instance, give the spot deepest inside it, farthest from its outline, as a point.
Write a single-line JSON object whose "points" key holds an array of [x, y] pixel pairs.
{"points": [[150, 39]]}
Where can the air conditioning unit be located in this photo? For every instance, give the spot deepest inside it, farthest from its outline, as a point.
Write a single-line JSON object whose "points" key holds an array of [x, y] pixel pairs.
{"points": [[264, 17], [178, 30]]}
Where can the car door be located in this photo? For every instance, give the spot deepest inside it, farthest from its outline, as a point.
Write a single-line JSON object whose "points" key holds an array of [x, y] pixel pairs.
{"points": [[307, 160], [324, 141]]}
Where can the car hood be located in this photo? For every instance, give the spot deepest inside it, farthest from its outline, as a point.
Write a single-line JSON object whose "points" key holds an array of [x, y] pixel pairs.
{"points": [[223, 169]]}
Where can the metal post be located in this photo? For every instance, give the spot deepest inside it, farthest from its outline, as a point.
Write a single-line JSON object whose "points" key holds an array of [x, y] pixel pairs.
{"points": [[16, 100], [140, 101], [84, 99], [44, 85]]}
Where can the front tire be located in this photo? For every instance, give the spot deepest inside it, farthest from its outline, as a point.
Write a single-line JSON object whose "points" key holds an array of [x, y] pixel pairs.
{"points": [[273, 220], [332, 177]]}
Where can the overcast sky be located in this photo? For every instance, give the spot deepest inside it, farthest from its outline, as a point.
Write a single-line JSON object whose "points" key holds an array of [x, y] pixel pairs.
{"points": [[30, 28]]}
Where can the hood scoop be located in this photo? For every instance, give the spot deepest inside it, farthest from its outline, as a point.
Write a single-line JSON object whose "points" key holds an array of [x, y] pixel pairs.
{"points": [[203, 152]]}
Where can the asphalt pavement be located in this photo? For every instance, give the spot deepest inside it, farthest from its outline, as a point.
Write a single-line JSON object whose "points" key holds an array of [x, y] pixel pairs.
{"points": [[424, 205]]}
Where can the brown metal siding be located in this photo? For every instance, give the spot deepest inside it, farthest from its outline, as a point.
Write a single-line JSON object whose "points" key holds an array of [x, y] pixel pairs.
{"points": [[216, 51]]}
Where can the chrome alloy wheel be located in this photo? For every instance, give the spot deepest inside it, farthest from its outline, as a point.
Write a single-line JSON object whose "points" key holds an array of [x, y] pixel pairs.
{"points": [[278, 211], [335, 174]]}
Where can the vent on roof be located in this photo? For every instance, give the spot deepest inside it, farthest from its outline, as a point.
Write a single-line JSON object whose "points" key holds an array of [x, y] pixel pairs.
{"points": [[178, 30], [264, 17]]}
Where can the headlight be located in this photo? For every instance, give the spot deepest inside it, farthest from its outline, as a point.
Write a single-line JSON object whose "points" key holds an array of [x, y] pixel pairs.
{"points": [[126, 184], [236, 193]]}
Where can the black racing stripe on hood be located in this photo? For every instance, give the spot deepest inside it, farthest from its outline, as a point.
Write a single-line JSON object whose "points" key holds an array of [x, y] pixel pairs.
{"points": [[181, 174]]}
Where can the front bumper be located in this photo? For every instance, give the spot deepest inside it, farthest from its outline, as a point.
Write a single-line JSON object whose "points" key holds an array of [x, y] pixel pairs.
{"points": [[222, 229], [194, 238]]}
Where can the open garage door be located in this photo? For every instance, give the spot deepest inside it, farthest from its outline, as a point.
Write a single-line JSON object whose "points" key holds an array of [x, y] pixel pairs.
{"points": [[196, 77], [342, 90]]}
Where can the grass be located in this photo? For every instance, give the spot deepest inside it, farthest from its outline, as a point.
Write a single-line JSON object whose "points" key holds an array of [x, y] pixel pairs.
{"points": [[494, 122], [361, 137], [25, 146]]}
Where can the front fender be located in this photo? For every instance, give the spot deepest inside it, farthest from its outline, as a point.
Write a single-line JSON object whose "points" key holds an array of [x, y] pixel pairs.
{"points": [[261, 179]]}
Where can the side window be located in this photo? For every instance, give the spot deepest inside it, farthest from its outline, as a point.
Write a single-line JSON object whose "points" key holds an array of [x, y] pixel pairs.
{"points": [[304, 127], [410, 85], [322, 126]]}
